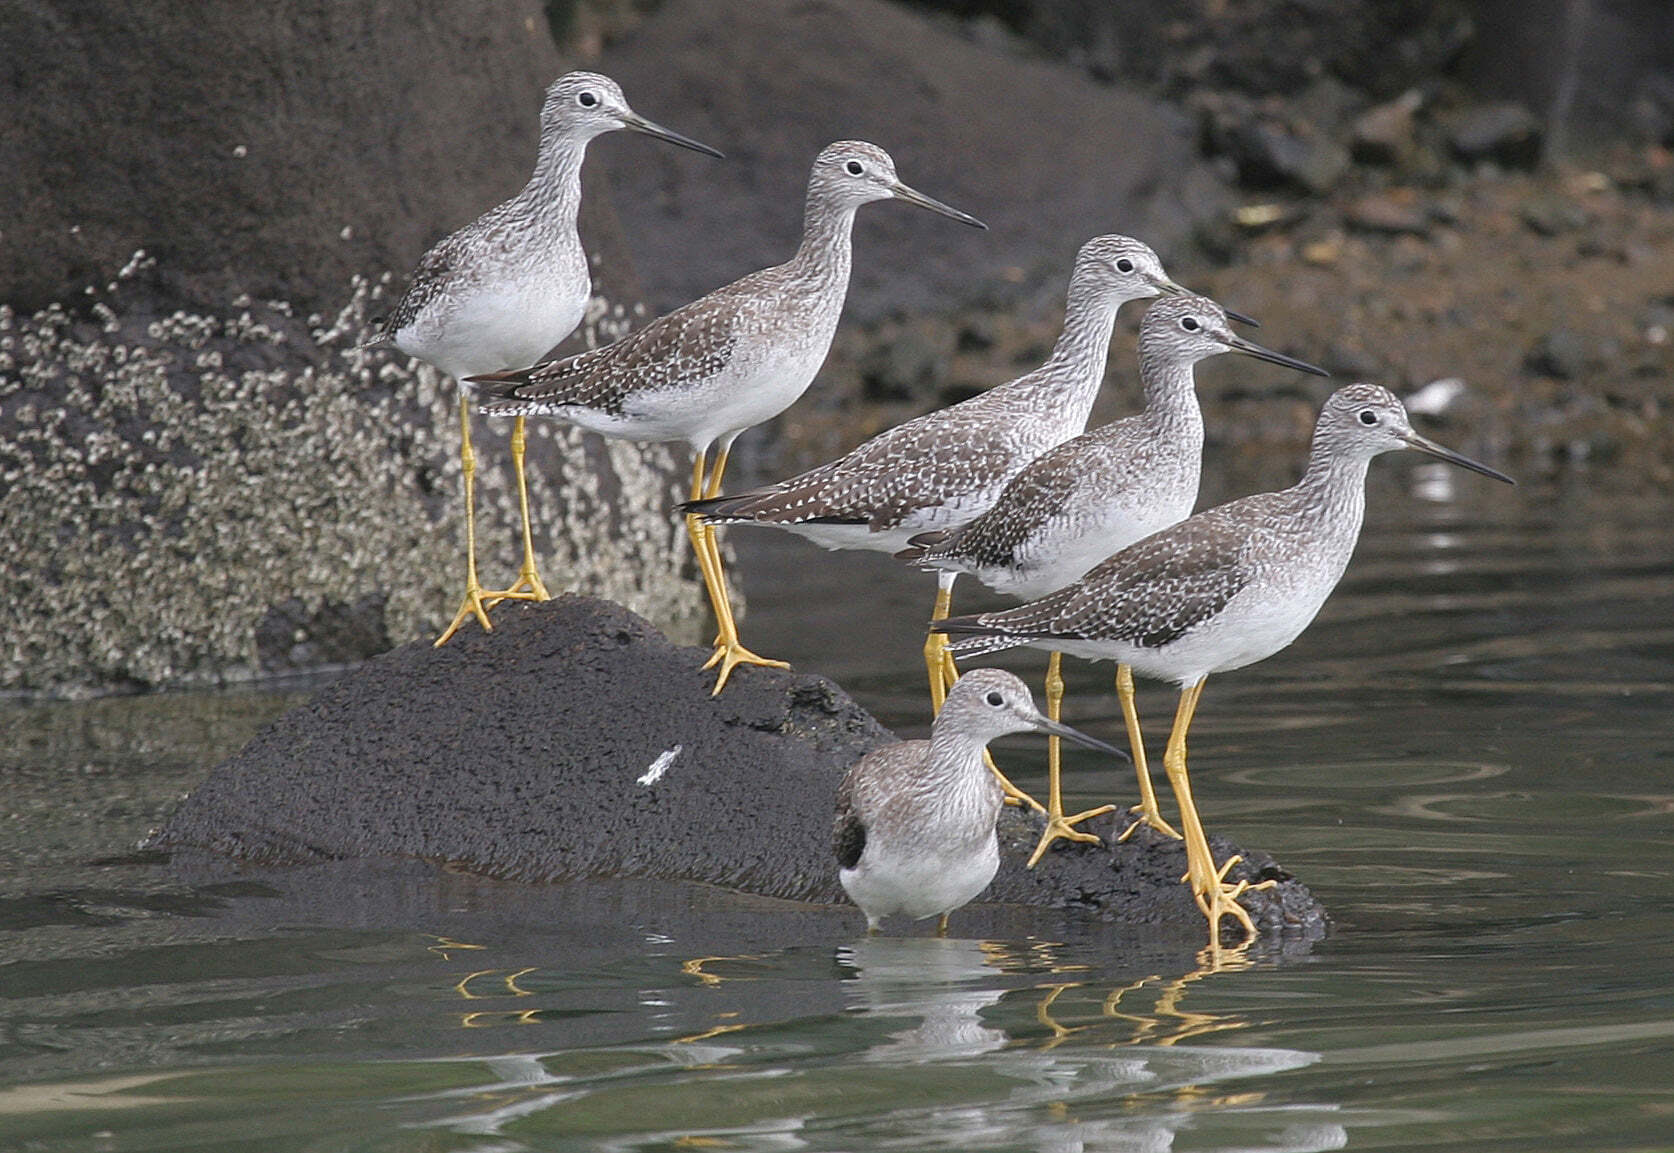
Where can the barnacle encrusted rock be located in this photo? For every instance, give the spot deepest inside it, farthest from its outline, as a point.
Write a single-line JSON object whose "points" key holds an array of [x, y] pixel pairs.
{"points": [[196, 496]]}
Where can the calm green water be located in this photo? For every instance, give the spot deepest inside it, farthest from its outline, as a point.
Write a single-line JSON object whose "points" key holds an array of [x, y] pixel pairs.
{"points": [[1468, 758]]}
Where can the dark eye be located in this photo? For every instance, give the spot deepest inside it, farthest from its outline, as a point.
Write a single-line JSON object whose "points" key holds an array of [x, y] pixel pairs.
{"points": [[587, 99], [995, 699], [854, 168], [1367, 416], [1124, 265], [1189, 323]]}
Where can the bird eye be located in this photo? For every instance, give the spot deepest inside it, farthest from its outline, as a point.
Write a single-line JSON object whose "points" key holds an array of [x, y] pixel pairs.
{"points": [[587, 99], [1190, 323], [995, 699], [854, 168], [1124, 265], [1367, 416]]}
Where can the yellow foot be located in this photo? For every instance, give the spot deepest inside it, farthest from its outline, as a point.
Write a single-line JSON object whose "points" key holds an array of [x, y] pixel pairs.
{"points": [[1155, 820], [527, 588], [1014, 795], [1221, 900], [471, 606], [730, 656], [1059, 826]]}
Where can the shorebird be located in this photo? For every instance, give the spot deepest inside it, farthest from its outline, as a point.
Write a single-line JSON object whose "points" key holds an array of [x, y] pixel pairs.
{"points": [[729, 360], [1218, 591], [502, 291], [914, 831], [946, 467], [1089, 497]]}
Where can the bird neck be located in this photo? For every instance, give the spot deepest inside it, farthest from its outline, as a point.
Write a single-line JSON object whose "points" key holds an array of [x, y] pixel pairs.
{"points": [[1331, 495], [556, 185], [1075, 370], [1171, 403], [956, 758], [825, 252]]}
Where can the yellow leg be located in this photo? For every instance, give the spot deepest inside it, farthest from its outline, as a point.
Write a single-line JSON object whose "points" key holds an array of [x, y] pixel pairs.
{"points": [[1058, 825], [1147, 809], [472, 605], [1214, 896], [936, 656], [729, 653], [528, 586], [941, 926]]}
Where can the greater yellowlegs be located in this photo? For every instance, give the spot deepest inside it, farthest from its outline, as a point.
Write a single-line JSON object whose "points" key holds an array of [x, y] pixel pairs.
{"points": [[1094, 495], [1218, 591], [914, 831], [946, 467], [729, 360], [506, 288]]}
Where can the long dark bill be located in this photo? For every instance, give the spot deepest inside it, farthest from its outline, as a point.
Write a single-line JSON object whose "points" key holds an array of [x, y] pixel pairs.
{"points": [[1251, 348], [1423, 444], [1054, 728], [639, 123], [913, 196]]}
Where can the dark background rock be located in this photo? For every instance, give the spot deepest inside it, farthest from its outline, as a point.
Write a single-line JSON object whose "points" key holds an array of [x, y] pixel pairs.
{"points": [[528, 755], [1044, 155], [275, 153]]}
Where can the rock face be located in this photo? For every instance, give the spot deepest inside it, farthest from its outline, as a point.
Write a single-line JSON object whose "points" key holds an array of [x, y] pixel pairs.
{"points": [[1042, 154], [275, 154], [577, 741]]}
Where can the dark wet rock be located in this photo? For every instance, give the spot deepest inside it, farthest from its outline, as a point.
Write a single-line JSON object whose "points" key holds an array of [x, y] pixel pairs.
{"points": [[1505, 132], [1394, 212], [1383, 134], [1269, 150], [533, 754], [1561, 353], [1549, 214]]}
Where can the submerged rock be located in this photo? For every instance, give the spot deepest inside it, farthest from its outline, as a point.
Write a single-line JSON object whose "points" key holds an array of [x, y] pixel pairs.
{"points": [[577, 741]]}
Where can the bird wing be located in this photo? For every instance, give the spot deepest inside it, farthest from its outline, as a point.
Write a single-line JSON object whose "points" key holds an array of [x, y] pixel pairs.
{"points": [[1033, 497], [685, 347], [922, 463], [848, 835], [1152, 592]]}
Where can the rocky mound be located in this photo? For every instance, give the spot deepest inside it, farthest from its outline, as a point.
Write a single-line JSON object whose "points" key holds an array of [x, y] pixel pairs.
{"points": [[579, 742]]}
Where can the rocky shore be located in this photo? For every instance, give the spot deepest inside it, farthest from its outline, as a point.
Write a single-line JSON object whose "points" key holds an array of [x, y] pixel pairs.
{"points": [[579, 742]]}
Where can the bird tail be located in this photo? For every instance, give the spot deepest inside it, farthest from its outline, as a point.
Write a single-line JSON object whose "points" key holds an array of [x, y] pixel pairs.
{"points": [[978, 635], [720, 509], [496, 392], [920, 547]]}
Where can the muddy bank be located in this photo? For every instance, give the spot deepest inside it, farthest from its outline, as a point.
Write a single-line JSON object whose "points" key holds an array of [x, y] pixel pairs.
{"points": [[579, 742]]}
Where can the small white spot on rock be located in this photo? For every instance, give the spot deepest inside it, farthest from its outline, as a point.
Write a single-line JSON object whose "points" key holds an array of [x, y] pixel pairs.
{"points": [[660, 766]]}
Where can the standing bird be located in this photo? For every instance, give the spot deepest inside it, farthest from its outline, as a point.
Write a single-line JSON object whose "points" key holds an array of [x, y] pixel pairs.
{"points": [[946, 467], [914, 831], [729, 360], [506, 288], [1218, 591], [1075, 504]]}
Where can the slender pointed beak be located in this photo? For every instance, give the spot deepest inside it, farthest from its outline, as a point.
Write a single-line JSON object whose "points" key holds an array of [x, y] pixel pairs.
{"points": [[1053, 728], [1251, 348], [913, 196], [1422, 444], [1167, 287], [637, 123]]}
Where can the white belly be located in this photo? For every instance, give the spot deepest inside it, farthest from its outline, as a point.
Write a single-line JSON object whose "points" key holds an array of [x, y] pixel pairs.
{"points": [[921, 885], [497, 326]]}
